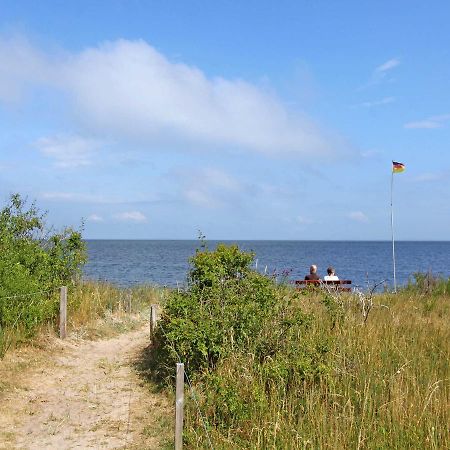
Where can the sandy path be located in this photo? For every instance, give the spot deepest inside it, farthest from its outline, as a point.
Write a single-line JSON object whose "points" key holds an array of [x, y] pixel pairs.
{"points": [[85, 395]]}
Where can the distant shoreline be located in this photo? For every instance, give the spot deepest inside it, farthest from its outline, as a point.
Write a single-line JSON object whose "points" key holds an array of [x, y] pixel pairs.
{"points": [[266, 240]]}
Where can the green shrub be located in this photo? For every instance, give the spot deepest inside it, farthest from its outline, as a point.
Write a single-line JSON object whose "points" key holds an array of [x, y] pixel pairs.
{"points": [[244, 340], [213, 269], [34, 262], [267, 374], [223, 307]]}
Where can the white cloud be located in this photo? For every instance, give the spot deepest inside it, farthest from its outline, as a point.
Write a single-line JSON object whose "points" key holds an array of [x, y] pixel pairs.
{"points": [[381, 73], [131, 216], [430, 122], [68, 151], [358, 216], [95, 218], [388, 65], [127, 89]]}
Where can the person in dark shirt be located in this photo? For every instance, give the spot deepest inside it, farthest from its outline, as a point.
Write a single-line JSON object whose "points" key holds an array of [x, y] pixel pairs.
{"points": [[312, 273]]}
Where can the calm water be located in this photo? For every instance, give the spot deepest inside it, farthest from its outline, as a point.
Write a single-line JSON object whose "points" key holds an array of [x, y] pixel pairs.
{"points": [[127, 262]]}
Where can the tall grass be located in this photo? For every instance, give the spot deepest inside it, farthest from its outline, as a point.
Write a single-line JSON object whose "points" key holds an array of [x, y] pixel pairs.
{"points": [[385, 383], [21, 316], [88, 303]]}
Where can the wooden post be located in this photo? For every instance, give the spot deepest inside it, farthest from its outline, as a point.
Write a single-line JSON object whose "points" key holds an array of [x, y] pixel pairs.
{"points": [[153, 320], [63, 312], [179, 406]]}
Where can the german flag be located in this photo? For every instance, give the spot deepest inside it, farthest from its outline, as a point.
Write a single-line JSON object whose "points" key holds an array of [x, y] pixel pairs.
{"points": [[397, 167]]}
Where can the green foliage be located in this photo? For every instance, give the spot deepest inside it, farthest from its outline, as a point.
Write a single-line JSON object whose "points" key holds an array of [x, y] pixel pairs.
{"points": [[214, 268], [283, 355], [243, 339], [427, 283], [334, 308], [221, 310], [302, 383], [33, 259], [275, 368]]}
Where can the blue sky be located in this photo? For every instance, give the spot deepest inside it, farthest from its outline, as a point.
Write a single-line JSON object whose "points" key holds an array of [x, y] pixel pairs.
{"points": [[246, 120]]}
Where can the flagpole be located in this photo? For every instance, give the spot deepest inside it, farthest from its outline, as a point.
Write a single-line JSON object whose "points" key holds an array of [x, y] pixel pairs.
{"points": [[392, 228]]}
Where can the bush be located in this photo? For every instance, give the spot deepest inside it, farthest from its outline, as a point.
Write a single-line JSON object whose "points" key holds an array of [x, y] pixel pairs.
{"points": [[220, 311], [269, 375], [34, 260], [244, 339]]}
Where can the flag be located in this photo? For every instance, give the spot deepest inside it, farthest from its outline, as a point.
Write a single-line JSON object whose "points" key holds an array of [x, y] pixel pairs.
{"points": [[397, 167]]}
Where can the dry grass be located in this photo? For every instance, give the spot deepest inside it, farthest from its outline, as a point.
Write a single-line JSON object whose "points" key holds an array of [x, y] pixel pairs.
{"points": [[98, 310], [94, 310], [388, 384]]}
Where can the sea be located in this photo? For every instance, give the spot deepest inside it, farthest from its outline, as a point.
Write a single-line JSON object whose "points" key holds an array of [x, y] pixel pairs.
{"points": [[128, 263]]}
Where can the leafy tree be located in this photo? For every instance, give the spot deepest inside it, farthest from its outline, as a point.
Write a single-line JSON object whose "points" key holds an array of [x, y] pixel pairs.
{"points": [[34, 261]]}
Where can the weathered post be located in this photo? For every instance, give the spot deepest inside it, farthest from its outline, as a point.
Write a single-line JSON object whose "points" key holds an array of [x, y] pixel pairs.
{"points": [[129, 301], [179, 406], [63, 312], [153, 320]]}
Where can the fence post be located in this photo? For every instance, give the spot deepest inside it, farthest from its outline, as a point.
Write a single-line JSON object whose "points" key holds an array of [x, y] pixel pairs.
{"points": [[153, 320], [179, 406], [129, 302], [63, 312]]}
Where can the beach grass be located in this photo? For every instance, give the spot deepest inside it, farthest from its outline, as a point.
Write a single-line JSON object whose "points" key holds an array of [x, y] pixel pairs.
{"points": [[386, 383], [94, 309], [377, 368]]}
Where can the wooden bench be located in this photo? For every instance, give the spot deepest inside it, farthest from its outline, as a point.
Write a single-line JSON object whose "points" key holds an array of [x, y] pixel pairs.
{"points": [[339, 285]]}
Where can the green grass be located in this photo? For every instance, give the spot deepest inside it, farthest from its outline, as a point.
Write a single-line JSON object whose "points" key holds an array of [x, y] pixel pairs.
{"points": [[386, 383]]}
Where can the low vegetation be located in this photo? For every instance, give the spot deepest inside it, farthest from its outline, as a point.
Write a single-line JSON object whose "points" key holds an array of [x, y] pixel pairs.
{"points": [[35, 262], [275, 368], [270, 367]]}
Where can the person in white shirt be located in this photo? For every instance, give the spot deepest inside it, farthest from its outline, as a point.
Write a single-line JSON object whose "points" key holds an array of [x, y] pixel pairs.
{"points": [[331, 275]]}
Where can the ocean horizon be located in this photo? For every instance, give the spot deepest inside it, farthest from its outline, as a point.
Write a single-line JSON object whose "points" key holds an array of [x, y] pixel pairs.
{"points": [[165, 262]]}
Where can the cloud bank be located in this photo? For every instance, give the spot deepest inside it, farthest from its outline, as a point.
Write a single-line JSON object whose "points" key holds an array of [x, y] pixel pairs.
{"points": [[128, 90]]}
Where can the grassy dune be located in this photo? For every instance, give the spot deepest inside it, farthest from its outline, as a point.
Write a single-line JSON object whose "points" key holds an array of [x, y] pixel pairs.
{"points": [[336, 376], [386, 383]]}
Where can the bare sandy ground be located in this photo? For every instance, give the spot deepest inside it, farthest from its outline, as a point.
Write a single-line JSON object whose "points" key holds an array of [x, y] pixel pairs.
{"points": [[84, 395]]}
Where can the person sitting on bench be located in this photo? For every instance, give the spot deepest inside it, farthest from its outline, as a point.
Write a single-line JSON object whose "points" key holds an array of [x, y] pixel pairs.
{"points": [[312, 274], [331, 275]]}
